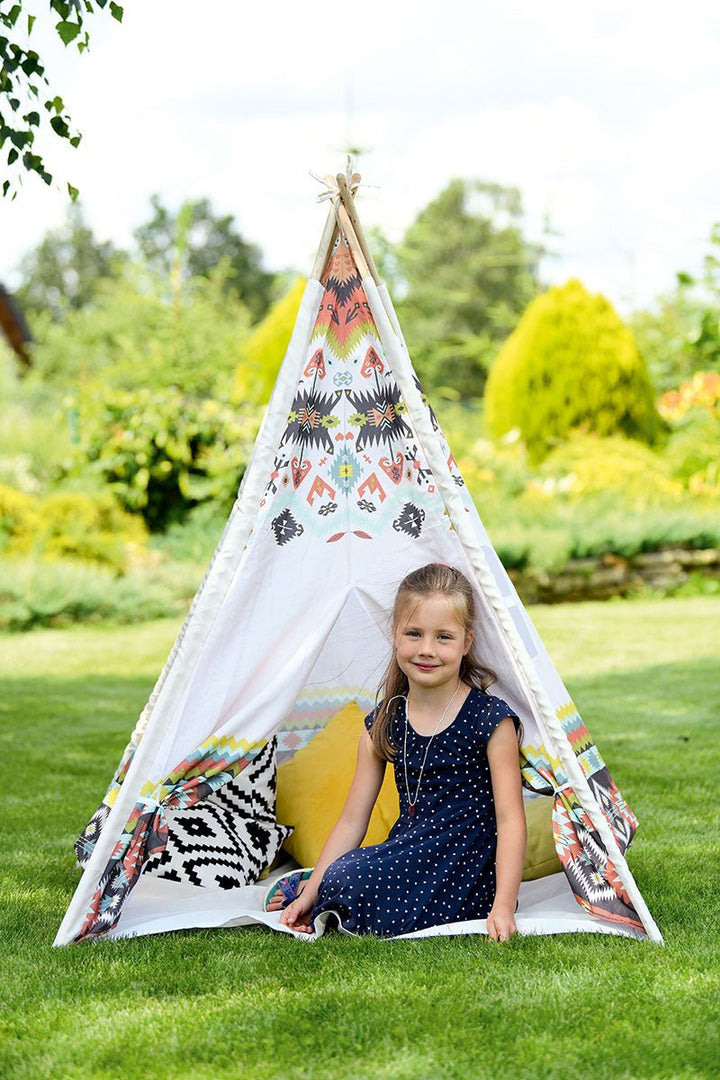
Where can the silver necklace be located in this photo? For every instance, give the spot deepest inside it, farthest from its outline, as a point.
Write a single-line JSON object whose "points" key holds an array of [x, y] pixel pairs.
{"points": [[413, 802]]}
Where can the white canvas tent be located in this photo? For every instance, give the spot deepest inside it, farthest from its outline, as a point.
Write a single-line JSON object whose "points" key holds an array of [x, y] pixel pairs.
{"points": [[350, 485]]}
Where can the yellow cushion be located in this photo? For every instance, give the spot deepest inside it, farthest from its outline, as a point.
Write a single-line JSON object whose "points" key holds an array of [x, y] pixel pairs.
{"points": [[313, 785], [540, 857]]}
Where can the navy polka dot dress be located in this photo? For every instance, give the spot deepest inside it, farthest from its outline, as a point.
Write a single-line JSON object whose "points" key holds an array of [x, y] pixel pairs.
{"points": [[438, 867]]}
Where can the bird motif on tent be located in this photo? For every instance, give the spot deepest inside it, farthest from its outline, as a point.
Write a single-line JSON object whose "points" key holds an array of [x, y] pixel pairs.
{"points": [[378, 414], [310, 420]]}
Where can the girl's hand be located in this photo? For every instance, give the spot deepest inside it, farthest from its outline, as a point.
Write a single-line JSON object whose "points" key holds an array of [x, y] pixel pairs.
{"points": [[296, 916], [501, 924]]}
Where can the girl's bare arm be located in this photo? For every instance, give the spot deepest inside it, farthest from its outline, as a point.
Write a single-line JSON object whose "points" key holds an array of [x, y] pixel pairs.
{"points": [[511, 828]]}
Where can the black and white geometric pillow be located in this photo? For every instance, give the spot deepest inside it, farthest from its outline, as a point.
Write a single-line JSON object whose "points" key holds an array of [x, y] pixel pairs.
{"points": [[226, 840]]}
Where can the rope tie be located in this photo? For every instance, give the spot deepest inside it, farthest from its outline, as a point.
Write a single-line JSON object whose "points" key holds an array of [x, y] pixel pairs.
{"points": [[332, 191]]}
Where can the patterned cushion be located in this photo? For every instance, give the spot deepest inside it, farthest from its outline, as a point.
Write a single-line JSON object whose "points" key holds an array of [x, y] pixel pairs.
{"points": [[226, 840]]}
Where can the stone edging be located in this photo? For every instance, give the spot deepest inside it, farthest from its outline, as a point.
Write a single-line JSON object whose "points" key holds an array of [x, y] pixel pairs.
{"points": [[614, 575]]}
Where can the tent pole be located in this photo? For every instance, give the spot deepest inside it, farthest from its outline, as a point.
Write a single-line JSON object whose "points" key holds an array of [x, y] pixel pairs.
{"points": [[350, 235], [348, 203], [326, 242]]}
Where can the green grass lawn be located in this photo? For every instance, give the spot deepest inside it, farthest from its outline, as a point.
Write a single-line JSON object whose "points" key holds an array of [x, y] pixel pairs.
{"points": [[250, 1003]]}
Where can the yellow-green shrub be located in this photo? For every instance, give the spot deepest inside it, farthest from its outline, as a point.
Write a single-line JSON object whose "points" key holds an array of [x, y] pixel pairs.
{"points": [[89, 527], [19, 520], [570, 364], [590, 465], [69, 525], [263, 352]]}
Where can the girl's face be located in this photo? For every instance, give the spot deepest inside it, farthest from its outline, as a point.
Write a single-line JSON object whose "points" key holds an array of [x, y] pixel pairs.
{"points": [[430, 643]]}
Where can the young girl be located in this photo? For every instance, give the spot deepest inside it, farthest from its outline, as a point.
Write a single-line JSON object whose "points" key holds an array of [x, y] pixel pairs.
{"points": [[457, 849]]}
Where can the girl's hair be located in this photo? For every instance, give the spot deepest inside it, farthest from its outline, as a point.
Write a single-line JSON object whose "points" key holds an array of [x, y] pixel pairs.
{"points": [[435, 579]]}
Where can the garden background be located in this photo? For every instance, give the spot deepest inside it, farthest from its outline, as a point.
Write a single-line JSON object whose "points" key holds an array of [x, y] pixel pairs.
{"points": [[124, 439], [591, 445]]}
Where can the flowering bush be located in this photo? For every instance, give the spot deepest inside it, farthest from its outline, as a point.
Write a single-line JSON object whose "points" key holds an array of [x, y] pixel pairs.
{"points": [[588, 465], [702, 391]]}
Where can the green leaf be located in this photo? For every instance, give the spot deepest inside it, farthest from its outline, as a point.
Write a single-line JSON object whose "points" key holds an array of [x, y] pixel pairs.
{"points": [[31, 64], [141, 478], [13, 155], [116, 11], [68, 31], [13, 14], [72, 192], [32, 118], [21, 138], [6, 187], [59, 126], [31, 23], [76, 140]]}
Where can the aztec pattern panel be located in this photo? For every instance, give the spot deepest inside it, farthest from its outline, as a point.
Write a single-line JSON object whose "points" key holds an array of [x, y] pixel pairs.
{"points": [[228, 839], [87, 839], [348, 461], [584, 858], [592, 876], [619, 815]]}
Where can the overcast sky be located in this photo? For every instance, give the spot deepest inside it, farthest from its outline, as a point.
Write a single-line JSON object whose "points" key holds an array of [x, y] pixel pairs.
{"points": [[605, 115]]}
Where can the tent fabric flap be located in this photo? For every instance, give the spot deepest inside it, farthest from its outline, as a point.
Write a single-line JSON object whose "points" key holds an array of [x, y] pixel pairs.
{"points": [[145, 832]]}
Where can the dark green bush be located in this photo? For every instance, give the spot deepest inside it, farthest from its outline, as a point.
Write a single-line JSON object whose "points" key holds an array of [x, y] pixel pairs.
{"points": [[163, 452], [193, 540]]}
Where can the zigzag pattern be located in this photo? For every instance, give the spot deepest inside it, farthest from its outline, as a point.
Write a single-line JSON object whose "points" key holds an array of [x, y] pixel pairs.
{"points": [[538, 758], [590, 760], [573, 726], [316, 705], [323, 337], [218, 754]]}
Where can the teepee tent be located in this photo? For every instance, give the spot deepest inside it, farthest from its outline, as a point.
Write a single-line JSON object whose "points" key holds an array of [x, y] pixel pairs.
{"points": [[351, 485]]}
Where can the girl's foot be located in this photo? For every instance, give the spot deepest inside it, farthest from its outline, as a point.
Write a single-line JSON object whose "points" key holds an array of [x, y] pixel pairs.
{"points": [[286, 889]]}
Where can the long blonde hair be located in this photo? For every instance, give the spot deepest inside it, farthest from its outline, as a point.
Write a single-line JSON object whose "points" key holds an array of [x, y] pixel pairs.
{"points": [[433, 579]]}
